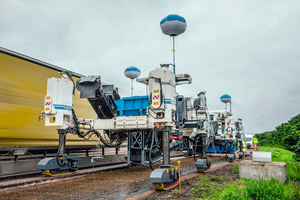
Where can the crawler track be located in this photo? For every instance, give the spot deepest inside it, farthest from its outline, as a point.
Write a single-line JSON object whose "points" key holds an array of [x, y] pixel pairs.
{"points": [[113, 184]]}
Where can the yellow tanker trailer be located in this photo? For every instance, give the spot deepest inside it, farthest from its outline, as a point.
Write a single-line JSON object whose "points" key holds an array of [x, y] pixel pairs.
{"points": [[23, 85]]}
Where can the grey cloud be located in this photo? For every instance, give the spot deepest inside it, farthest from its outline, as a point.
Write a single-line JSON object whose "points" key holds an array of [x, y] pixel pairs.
{"points": [[247, 49]]}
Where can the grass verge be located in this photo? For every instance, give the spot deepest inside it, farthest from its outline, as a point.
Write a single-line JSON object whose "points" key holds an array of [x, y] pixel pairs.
{"points": [[283, 155], [252, 189], [219, 187]]}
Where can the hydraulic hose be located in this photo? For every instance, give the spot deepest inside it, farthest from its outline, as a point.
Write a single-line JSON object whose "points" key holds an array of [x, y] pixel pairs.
{"points": [[91, 132], [104, 142], [76, 123]]}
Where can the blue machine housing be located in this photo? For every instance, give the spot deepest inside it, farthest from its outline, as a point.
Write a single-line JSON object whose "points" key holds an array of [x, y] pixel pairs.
{"points": [[132, 106], [221, 149]]}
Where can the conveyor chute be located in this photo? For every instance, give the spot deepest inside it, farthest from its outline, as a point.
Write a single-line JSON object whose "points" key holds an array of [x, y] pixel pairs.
{"points": [[101, 97]]}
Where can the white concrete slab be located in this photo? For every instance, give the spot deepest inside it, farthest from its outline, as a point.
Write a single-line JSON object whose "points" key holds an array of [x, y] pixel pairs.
{"points": [[263, 170], [260, 156]]}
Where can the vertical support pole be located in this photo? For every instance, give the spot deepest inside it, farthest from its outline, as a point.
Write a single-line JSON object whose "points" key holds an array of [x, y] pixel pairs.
{"points": [[166, 148], [203, 145], [117, 150], [129, 136], [103, 151], [174, 57], [86, 152], [131, 87], [16, 158], [45, 154], [241, 148], [63, 146], [143, 159], [174, 71]]}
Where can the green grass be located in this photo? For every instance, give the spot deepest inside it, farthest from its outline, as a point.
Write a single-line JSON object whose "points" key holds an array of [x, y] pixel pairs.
{"points": [[282, 155], [236, 169], [220, 187], [209, 190], [251, 189], [278, 154], [244, 189]]}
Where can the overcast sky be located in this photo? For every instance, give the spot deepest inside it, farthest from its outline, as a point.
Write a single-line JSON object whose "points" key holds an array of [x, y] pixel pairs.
{"points": [[247, 49]]}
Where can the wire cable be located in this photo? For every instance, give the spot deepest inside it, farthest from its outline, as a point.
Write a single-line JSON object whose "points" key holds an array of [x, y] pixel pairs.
{"points": [[34, 155], [6, 153]]}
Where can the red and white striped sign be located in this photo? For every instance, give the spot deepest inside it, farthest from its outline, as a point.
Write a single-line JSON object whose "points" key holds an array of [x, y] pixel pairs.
{"points": [[156, 97]]}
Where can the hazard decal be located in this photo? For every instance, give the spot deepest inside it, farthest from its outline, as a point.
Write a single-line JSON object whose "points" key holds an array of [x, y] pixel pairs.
{"points": [[156, 97]]}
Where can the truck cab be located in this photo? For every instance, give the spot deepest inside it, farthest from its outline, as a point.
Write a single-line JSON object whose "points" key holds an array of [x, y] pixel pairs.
{"points": [[248, 139]]}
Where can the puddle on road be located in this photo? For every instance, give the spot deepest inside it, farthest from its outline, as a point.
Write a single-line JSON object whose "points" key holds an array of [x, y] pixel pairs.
{"points": [[114, 184]]}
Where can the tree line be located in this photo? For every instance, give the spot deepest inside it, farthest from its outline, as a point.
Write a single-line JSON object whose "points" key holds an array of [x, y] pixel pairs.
{"points": [[286, 135]]}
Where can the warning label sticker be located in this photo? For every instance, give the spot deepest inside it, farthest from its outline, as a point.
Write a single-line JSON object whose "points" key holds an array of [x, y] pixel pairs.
{"points": [[156, 97]]}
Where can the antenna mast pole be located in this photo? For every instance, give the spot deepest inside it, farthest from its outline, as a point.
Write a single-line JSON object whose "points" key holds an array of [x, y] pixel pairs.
{"points": [[131, 87], [174, 56]]}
